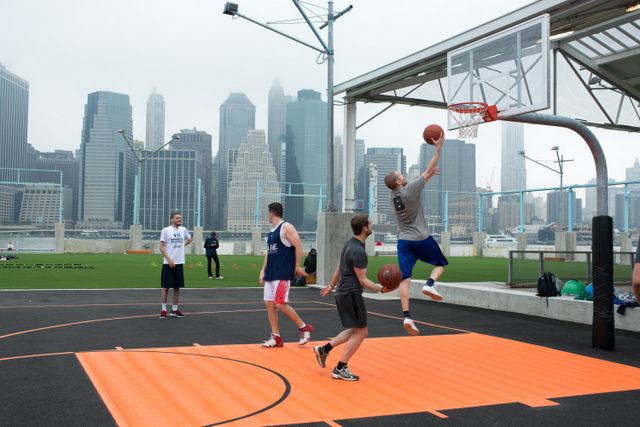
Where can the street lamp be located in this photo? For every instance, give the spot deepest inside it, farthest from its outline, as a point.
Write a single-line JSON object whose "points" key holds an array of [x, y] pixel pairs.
{"points": [[138, 178], [326, 49], [559, 171]]}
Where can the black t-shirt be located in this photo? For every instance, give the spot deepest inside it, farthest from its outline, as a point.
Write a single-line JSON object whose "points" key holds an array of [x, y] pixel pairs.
{"points": [[637, 254], [353, 256]]}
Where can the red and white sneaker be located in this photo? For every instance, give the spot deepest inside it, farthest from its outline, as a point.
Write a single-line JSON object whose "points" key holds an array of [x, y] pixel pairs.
{"points": [[163, 314], [273, 341], [305, 334], [176, 313]]}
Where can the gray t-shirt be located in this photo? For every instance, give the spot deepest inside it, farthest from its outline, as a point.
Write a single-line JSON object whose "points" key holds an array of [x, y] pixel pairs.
{"points": [[407, 206], [353, 256]]}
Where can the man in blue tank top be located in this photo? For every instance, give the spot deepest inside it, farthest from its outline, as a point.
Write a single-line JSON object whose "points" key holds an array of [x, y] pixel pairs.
{"points": [[281, 264]]}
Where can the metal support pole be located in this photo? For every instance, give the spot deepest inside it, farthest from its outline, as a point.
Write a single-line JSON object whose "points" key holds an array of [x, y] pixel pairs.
{"points": [[570, 197], [603, 329], [199, 204], [61, 199], [331, 207], [136, 184], [480, 206], [349, 151], [257, 204], [626, 208], [521, 228], [446, 211]]}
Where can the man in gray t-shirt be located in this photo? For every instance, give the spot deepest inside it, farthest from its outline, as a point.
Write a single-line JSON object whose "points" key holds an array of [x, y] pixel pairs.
{"points": [[350, 277], [414, 241]]}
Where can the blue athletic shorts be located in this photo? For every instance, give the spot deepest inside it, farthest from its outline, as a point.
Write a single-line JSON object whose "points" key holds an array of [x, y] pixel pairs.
{"points": [[410, 251]]}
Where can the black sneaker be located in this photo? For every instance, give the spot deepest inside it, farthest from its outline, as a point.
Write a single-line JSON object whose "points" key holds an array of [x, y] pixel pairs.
{"points": [[321, 356], [344, 374]]}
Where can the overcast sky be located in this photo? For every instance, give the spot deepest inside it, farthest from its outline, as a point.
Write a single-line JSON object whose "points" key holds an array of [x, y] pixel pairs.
{"points": [[195, 56]]}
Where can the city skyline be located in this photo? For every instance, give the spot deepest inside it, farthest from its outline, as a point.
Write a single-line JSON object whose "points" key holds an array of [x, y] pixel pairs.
{"points": [[365, 39]]}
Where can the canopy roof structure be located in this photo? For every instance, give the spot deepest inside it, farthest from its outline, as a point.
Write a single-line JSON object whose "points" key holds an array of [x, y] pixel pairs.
{"points": [[595, 44]]}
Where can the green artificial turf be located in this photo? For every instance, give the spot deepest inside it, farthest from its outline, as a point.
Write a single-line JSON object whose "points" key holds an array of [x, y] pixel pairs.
{"points": [[143, 271]]}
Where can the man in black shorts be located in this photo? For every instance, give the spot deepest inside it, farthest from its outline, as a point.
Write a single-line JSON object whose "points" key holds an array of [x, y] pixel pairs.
{"points": [[351, 277], [173, 240]]}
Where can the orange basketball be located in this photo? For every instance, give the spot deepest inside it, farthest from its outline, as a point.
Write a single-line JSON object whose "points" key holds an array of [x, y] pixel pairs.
{"points": [[389, 276], [431, 133]]}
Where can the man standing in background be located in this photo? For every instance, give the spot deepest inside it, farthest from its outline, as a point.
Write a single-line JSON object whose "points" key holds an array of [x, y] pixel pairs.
{"points": [[211, 246], [173, 240]]}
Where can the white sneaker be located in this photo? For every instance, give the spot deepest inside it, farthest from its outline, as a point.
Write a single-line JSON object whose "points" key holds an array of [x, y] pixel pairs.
{"points": [[273, 341], [431, 291], [219, 278], [409, 326]]}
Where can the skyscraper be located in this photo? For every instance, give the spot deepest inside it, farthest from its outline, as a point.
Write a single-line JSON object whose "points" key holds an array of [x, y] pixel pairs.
{"points": [[254, 185], [385, 159], [277, 127], [107, 165], [458, 174], [237, 117], [513, 172], [69, 165], [306, 161], [155, 121], [14, 110], [200, 141], [169, 183]]}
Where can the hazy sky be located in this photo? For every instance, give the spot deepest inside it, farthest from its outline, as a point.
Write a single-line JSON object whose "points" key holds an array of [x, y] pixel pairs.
{"points": [[195, 56]]}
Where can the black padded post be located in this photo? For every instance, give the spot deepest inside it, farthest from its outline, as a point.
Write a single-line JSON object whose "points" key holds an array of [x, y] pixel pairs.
{"points": [[603, 331]]}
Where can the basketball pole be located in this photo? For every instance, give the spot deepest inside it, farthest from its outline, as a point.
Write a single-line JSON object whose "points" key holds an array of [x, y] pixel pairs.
{"points": [[325, 49], [603, 327]]}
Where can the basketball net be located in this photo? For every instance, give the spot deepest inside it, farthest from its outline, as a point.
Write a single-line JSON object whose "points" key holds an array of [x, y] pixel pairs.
{"points": [[468, 115]]}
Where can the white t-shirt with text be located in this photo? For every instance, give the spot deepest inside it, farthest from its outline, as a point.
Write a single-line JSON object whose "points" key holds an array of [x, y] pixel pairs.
{"points": [[174, 239]]}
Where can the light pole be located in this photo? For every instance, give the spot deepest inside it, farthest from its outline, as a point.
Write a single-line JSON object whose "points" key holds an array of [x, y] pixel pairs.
{"points": [[327, 49], [138, 179], [560, 170]]}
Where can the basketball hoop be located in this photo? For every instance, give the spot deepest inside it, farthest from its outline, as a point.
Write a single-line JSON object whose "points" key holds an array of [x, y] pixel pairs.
{"points": [[468, 115]]}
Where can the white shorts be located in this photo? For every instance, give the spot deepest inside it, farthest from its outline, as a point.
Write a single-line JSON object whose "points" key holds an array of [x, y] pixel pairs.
{"points": [[277, 291]]}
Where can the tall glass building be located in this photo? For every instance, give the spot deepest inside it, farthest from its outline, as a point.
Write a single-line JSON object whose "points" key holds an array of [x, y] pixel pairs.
{"points": [[385, 159], [169, 183], [458, 175], [14, 110], [306, 161], [107, 165], [513, 174], [200, 141], [277, 127], [155, 122], [237, 117], [254, 185]]}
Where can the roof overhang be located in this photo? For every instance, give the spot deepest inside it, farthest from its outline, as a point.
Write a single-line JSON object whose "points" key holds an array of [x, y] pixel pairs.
{"points": [[605, 40]]}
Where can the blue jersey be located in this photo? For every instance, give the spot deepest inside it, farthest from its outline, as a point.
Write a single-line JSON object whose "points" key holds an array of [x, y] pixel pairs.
{"points": [[281, 259]]}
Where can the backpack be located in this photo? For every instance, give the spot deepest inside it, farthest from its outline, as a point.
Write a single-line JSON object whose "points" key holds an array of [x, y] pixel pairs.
{"points": [[547, 286]]}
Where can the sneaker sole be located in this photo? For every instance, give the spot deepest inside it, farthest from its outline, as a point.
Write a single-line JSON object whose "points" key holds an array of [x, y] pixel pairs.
{"points": [[435, 297], [319, 358], [338, 377], [410, 330]]}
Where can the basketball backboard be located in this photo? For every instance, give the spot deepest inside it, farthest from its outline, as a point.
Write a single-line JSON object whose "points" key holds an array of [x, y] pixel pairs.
{"points": [[509, 69]]}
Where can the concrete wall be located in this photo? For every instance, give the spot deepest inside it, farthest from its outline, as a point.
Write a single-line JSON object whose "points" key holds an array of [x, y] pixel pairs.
{"points": [[333, 231], [523, 302]]}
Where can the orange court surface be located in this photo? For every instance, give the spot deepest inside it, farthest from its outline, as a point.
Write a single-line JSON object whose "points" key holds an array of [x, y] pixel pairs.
{"points": [[93, 362]]}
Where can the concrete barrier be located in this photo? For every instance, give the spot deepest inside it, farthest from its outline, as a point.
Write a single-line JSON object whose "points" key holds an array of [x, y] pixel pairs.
{"points": [[524, 302]]}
